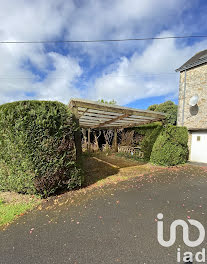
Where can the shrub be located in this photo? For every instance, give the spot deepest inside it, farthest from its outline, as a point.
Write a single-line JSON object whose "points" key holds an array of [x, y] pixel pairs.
{"points": [[149, 133], [149, 140], [171, 147], [37, 149]]}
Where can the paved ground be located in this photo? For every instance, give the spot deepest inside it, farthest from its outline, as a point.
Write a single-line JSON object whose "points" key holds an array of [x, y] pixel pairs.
{"points": [[110, 224]]}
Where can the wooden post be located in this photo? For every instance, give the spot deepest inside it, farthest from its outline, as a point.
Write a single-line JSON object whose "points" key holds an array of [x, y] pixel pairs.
{"points": [[77, 134], [89, 139], [115, 140]]}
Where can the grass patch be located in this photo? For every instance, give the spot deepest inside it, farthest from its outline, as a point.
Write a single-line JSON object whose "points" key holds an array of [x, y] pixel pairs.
{"points": [[10, 211], [13, 205], [129, 156]]}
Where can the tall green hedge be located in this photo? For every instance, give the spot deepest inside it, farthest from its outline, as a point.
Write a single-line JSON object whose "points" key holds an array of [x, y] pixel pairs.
{"points": [[171, 147], [150, 133], [37, 149]]}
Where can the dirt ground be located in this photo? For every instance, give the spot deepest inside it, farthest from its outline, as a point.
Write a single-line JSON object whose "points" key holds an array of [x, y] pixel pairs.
{"points": [[12, 197], [111, 167]]}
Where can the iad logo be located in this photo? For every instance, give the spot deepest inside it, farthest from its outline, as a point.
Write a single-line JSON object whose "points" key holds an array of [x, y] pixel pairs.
{"points": [[184, 225], [188, 256]]}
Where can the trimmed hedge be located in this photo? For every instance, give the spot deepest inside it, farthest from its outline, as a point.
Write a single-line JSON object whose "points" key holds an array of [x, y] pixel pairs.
{"points": [[37, 148], [150, 133], [171, 147]]}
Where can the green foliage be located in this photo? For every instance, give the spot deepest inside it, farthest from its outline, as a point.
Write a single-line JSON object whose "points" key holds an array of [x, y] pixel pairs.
{"points": [[171, 147], [150, 133], [169, 108], [37, 149], [149, 140], [152, 107], [129, 156], [9, 211], [112, 102]]}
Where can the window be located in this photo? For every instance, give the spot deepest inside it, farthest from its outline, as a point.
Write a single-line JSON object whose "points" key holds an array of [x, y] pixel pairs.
{"points": [[198, 138]]}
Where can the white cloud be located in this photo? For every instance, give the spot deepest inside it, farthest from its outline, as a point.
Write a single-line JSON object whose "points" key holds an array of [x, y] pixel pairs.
{"points": [[34, 20], [120, 19], [146, 74], [98, 19], [59, 66], [21, 64], [59, 83]]}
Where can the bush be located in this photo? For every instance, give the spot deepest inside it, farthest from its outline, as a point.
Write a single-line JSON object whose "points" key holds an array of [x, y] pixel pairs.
{"points": [[148, 141], [37, 149], [150, 133], [171, 147]]}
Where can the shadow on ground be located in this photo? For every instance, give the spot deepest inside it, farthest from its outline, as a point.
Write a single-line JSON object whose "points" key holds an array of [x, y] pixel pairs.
{"points": [[99, 167]]}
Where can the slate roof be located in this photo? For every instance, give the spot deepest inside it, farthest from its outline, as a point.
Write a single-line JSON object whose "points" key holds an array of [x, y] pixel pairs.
{"points": [[198, 59]]}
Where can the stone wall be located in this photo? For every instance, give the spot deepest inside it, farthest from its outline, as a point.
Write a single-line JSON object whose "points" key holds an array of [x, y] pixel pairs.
{"points": [[196, 83]]}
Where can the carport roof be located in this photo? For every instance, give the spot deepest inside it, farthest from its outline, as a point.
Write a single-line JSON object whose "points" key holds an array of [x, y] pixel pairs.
{"points": [[97, 115]]}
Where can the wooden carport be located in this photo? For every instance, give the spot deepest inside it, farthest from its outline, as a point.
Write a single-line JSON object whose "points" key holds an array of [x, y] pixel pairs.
{"points": [[95, 115]]}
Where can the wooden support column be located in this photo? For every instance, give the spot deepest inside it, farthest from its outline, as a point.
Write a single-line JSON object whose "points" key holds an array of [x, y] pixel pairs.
{"points": [[89, 139], [115, 140], [77, 134]]}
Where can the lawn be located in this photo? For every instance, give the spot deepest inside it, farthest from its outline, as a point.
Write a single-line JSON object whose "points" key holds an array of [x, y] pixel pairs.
{"points": [[13, 205]]}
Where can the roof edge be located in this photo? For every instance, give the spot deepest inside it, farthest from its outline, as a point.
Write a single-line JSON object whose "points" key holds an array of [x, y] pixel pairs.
{"points": [[192, 65], [73, 101]]}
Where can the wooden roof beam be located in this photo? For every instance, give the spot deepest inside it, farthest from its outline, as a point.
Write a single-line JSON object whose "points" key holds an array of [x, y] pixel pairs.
{"points": [[82, 113], [115, 108], [112, 126], [111, 121]]}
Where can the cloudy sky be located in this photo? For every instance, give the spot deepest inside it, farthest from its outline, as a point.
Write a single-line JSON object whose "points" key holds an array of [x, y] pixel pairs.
{"points": [[136, 73]]}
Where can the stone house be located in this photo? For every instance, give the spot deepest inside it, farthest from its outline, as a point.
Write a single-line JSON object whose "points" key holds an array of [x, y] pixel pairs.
{"points": [[192, 107]]}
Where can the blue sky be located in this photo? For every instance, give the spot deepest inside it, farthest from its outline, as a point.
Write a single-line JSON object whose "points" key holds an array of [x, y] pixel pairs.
{"points": [[135, 74]]}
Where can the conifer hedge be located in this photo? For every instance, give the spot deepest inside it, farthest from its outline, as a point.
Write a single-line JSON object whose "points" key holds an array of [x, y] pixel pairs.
{"points": [[37, 148], [149, 132], [171, 146]]}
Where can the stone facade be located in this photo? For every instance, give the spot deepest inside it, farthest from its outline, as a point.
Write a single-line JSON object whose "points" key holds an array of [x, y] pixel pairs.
{"points": [[196, 83]]}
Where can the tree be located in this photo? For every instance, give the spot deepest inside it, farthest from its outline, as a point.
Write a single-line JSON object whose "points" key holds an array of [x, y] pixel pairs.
{"points": [[112, 102], [168, 108], [152, 107]]}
